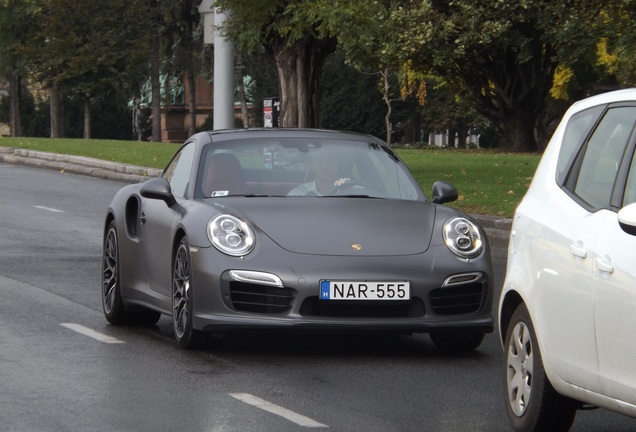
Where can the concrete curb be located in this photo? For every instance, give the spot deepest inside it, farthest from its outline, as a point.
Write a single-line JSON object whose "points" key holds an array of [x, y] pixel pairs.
{"points": [[78, 165], [497, 229]]}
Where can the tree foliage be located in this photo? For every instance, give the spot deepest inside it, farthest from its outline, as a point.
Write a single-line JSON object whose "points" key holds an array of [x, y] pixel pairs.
{"points": [[17, 23], [502, 54], [446, 63], [294, 34], [91, 47]]}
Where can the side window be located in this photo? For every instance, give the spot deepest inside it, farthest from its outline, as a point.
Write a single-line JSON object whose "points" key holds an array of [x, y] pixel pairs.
{"points": [[178, 170], [603, 155], [630, 186], [578, 128]]}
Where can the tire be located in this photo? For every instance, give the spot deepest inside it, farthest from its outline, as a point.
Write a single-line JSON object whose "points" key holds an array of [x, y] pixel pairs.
{"points": [[182, 299], [112, 304], [456, 341], [532, 404]]}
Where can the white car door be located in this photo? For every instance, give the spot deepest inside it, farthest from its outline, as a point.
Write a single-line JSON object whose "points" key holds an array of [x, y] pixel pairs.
{"points": [[615, 293], [565, 305], [569, 269]]}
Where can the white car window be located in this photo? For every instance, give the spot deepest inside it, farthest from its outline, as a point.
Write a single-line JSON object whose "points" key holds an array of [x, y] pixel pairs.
{"points": [[603, 155], [578, 128], [630, 187]]}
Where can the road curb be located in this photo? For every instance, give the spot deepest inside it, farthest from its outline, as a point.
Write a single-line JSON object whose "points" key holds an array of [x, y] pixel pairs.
{"points": [[78, 165], [497, 229]]}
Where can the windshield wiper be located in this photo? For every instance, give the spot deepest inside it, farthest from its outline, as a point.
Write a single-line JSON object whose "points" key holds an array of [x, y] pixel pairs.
{"points": [[352, 196]]}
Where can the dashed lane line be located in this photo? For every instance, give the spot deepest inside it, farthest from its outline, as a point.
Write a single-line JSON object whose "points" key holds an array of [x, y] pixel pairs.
{"points": [[278, 410], [92, 333], [54, 210]]}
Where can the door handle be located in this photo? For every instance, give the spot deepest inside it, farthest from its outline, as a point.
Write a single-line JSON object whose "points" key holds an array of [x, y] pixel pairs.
{"points": [[578, 251], [142, 218], [604, 266]]}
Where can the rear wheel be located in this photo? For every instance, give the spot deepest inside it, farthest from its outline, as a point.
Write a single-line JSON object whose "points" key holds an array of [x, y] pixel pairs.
{"points": [[532, 403], [182, 299], [457, 341]]}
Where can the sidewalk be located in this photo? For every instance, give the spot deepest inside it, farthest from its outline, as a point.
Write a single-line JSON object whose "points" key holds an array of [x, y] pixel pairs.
{"points": [[497, 228]]}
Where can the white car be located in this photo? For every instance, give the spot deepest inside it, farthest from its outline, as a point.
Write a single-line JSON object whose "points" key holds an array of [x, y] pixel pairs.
{"points": [[567, 312]]}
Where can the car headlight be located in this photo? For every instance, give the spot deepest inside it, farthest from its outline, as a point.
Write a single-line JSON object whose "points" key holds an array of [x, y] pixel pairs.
{"points": [[463, 237], [231, 235]]}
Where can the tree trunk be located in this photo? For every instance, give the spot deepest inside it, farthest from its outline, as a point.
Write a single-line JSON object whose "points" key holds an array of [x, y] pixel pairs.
{"points": [[299, 67], [155, 84], [87, 119], [452, 133], [56, 113], [386, 95], [462, 136], [15, 120], [192, 105], [518, 133]]}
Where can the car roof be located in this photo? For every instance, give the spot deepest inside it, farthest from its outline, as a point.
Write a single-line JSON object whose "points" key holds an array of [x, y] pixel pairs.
{"points": [[225, 134], [606, 98]]}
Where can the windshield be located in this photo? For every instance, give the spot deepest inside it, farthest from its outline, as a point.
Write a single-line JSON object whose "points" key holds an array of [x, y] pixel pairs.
{"points": [[303, 168]]}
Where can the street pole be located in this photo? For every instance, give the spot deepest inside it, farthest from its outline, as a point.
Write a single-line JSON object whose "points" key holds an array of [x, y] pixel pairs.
{"points": [[223, 76]]}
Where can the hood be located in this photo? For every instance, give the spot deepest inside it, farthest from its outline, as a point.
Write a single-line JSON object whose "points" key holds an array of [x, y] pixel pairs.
{"points": [[341, 226]]}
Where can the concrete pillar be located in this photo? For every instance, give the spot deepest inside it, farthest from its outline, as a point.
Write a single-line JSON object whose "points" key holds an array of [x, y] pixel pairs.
{"points": [[223, 77]]}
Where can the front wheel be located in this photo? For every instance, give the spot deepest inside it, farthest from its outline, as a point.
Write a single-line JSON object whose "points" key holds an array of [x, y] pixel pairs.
{"points": [[182, 299], [532, 403], [112, 303]]}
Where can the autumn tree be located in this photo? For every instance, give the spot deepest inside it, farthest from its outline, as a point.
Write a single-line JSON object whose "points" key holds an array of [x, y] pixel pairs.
{"points": [[502, 55]]}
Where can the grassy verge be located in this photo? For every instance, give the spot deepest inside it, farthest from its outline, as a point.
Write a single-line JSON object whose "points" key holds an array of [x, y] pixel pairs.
{"points": [[146, 154], [488, 182]]}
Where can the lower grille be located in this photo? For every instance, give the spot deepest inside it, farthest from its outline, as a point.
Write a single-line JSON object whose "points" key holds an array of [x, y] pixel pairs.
{"points": [[461, 299], [360, 309], [259, 298]]}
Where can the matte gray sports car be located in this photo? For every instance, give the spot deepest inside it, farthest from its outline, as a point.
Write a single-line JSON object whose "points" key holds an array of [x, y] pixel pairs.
{"points": [[294, 229]]}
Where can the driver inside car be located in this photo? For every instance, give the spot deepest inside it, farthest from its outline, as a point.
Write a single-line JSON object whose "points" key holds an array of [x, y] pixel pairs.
{"points": [[325, 167]]}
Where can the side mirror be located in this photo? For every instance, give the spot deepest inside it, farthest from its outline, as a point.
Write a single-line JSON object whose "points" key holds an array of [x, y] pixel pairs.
{"points": [[158, 188], [443, 192], [627, 219]]}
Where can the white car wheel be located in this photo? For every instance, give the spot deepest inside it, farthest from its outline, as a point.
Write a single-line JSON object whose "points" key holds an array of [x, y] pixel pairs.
{"points": [[532, 403]]}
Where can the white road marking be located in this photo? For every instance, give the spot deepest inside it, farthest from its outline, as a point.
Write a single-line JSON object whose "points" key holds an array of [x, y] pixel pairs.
{"points": [[49, 209], [278, 410], [92, 333]]}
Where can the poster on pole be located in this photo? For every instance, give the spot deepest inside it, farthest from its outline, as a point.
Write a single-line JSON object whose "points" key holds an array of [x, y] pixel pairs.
{"points": [[271, 112]]}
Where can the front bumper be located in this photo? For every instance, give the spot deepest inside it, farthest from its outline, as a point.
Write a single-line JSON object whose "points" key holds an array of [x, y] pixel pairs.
{"points": [[222, 303]]}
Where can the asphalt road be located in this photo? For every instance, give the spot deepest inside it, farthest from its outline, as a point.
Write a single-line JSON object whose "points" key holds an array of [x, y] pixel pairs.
{"points": [[63, 368]]}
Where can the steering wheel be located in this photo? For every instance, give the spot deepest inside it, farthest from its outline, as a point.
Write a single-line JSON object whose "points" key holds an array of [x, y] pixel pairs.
{"points": [[349, 184]]}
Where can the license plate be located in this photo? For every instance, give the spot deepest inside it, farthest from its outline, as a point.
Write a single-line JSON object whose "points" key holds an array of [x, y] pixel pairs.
{"points": [[352, 290]]}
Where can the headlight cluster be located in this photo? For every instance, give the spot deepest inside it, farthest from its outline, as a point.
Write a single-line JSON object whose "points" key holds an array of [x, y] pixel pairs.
{"points": [[231, 235], [463, 237]]}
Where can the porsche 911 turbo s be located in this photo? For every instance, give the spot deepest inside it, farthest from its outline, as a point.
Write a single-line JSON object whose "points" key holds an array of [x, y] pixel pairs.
{"points": [[295, 229]]}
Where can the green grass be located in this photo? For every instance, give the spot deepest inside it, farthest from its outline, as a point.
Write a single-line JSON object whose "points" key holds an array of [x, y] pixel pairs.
{"points": [[488, 182], [146, 154]]}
